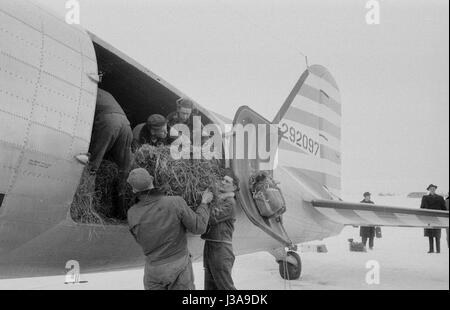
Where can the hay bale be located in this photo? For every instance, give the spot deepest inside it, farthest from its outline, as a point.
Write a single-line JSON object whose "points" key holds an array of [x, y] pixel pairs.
{"points": [[185, 178], [83, 208], [93, 201]]}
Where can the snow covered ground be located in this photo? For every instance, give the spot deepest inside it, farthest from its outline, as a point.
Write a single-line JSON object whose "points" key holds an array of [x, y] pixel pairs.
{"points": [[401, 255]]}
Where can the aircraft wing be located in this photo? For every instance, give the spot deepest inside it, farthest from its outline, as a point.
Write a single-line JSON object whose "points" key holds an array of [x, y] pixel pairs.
{"points": [[360, 214]]}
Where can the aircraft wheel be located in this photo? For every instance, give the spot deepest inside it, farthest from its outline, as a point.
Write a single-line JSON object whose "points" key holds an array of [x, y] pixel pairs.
{"points": [[289, 271]]}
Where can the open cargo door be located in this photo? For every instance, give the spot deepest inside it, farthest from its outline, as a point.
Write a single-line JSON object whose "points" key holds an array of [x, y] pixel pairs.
{"points": [[246, 162]]}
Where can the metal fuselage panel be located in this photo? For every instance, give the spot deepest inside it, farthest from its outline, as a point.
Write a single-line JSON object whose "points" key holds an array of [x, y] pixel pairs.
{"points": [[47, 105]]}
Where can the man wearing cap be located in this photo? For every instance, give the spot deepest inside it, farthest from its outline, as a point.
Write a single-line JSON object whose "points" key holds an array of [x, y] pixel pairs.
{"points": [[153, 132], [432, 201], [184, 116], [367, 233], [111, 137], [159, 224], [218, 256]]}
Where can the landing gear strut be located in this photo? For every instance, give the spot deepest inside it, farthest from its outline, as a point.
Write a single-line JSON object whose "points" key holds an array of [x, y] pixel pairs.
{"points": [[291, 267]]}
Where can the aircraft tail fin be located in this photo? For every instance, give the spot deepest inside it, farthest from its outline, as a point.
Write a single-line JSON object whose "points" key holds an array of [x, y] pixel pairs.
{"points": [[310, 125]]}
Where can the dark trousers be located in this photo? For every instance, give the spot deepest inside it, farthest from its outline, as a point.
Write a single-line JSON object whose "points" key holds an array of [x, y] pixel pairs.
{"points": [[218, 260], [431, 240], [111, 139], [174, 276], [371, 241]]}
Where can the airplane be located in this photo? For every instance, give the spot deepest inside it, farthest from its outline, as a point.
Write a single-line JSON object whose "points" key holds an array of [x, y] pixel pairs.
{"points": [[49, 77]]}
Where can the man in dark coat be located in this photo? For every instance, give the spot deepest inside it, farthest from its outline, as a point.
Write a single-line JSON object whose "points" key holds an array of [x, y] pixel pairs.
{"points": [[432, 201], [111, 138], [447, 207], [183, 114], [186, 115], [218, 256], [160, 225], [367, 233], [154, 132]]}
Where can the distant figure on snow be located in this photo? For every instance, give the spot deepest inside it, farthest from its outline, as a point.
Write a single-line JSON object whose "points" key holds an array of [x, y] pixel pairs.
{"points": [[432, 201], [446, 207], [367, 233]]}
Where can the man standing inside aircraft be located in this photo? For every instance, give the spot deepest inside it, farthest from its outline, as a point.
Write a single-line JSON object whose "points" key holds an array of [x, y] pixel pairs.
{"points": [[432, 201], [154, 132], [183, 114], [367, 233], [111, 137], [218, 256], [159, 224]]}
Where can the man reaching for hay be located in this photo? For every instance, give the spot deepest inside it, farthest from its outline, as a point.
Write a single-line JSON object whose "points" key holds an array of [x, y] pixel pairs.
{"points": [[111, 138], [159, 224], [154, 132], [218, 256]]}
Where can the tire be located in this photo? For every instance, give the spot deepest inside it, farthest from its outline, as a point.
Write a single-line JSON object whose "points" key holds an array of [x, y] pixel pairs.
{"points": [[289, 271]]}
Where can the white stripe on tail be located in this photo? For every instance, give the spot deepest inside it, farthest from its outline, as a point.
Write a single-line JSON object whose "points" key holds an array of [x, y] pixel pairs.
{"points": [[310, 123]]}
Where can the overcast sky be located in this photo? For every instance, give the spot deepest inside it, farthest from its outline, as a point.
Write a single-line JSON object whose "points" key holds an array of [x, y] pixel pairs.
{"points": [[227, 53]]}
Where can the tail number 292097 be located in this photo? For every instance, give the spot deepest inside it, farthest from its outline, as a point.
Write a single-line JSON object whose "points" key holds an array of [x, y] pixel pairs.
{"points": [[300, 139]]}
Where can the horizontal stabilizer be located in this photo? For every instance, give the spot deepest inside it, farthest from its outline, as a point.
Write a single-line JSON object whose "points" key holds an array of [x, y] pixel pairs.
{"points": [[361, 214]]}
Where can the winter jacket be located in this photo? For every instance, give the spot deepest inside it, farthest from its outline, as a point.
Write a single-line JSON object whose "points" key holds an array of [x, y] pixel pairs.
{"points": [[433, 202], [221, 222], [367, 232], [107, 104], [160, 224]]}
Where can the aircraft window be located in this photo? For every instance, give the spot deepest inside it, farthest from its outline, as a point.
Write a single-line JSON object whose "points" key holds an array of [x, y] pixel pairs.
{"points": [[2, 196]]}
